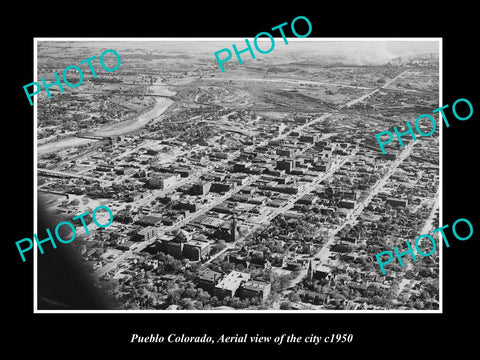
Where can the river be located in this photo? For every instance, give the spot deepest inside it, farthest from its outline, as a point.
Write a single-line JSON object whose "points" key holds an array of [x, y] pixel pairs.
{"points": [[162, 103]]}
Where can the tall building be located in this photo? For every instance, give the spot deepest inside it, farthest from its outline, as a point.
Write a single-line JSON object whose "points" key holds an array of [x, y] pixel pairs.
{"points": [[285, 164], [241, 166], [163, 181], [175, 249], [201, 188]]}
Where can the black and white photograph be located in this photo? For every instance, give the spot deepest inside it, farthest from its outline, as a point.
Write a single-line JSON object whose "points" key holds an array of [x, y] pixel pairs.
{"points": [[260, 188]]}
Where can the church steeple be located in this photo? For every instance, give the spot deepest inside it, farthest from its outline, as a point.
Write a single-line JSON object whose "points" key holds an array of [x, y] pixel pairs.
{"points": [[310, 270], [233, 230]]}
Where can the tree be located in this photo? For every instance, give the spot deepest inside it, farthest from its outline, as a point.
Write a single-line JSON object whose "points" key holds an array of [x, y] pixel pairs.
{"points": [[432, 289], [344, 290], [377, 300], [240, 267], [190, 293], [218, 247], [203, 296], [227, 267], [280, 282], [173, 297], [226, 300], [194, 267], [244, 303], [419, 305], [239, 244], [198, 305], [187, 303], [424, 272], [215, 301], [285, 305], [173, 265], [294, 297], [234, 302], [110, 285]]}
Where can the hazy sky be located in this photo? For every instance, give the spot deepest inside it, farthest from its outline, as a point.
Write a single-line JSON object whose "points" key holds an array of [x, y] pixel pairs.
{"points": [[364, 50]]}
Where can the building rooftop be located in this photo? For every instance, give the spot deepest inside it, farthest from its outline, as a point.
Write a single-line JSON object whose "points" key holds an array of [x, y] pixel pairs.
{"points": [[209, 275], [196, 243], [256, 285], [233, 280], [322, 268]]}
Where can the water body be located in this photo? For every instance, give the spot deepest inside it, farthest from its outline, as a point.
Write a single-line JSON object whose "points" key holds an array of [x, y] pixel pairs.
{"points": [[162, 102]]}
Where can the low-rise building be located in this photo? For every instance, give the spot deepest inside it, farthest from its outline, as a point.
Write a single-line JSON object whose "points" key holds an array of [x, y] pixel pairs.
{"points": [[196, 250], [186, 205], [127, 245], [229, 285], [313, 297], [218, 187], [285, 152], [183, 172], [255, 288], [309, 138], [146, 234], [321, 272], [322, 166], [149, 220], [397, 202], [347, 204], [307, 199], [207, 279]]}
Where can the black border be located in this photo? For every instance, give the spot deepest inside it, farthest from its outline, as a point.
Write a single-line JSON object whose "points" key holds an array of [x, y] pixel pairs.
{"points": [[372, 332]]}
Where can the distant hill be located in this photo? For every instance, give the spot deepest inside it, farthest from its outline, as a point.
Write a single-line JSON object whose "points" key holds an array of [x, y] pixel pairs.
{"points": [[415, 59]]}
